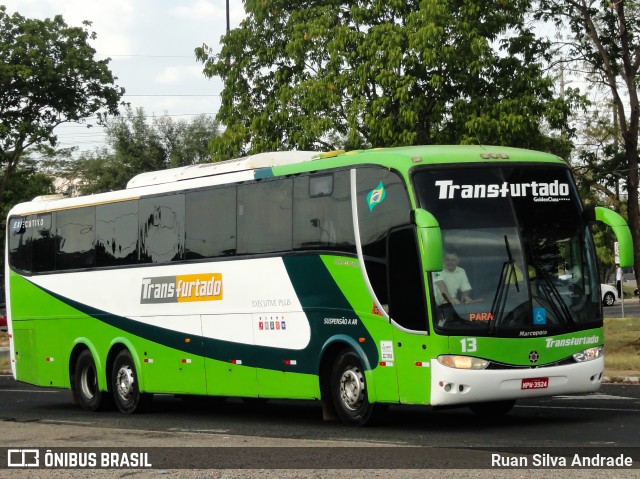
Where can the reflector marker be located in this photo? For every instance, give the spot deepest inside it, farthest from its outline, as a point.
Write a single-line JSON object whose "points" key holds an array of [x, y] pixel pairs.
{"points": [[148, 360], [236, 361], [290, 362], [386, 363], [186, 361], [49, 360], [422, 364]]}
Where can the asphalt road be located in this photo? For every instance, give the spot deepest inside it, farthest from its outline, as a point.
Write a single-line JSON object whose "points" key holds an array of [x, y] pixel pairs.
{"points": [[606, 422], [631, 309], [610, 417]]}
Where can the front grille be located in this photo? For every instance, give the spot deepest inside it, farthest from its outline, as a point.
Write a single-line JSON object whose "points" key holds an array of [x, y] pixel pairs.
{"points": [[562, 362]]}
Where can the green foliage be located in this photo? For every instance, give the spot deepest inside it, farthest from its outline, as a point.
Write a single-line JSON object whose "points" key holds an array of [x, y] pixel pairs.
{"points": [[331, 74], [48, 76], [137, 145], [604, 42]]}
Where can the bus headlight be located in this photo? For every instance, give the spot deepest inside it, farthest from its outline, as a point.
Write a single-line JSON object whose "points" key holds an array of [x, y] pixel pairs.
{"points": [[589, 354], [462, 362]]}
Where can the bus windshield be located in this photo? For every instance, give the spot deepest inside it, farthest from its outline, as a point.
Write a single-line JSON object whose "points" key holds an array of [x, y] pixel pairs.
{"points": [[518, 257]]}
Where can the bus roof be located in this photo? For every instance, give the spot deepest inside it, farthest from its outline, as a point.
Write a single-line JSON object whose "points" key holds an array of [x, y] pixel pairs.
{"points": [[297, 159], [278, 163], [253, 162]]}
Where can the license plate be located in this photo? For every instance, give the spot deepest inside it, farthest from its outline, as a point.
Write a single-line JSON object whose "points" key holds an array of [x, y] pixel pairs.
{"points": [[535, 383]]}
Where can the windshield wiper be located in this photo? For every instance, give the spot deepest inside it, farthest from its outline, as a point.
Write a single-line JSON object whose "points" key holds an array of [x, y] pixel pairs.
{"points": [[502, 291]]}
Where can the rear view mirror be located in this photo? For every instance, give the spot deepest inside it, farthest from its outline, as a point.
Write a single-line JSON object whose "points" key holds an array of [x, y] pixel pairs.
{"points": [[620, 228], [430, 239]]}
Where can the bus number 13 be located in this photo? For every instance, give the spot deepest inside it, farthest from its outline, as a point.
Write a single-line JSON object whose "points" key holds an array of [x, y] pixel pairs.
{"points": [[468, 345]]}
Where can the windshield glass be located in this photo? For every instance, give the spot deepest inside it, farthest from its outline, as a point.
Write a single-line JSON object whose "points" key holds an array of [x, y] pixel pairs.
{"points": [[518, 259]]}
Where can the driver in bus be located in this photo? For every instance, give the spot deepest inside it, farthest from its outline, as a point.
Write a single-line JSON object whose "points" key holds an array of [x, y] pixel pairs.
{"points": [[451, 284]]}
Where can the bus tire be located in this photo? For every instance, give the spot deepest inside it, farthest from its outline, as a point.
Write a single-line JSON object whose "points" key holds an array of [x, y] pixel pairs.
{"points": [[349, 390], [85, 385], [125, 385], [493, 408]]}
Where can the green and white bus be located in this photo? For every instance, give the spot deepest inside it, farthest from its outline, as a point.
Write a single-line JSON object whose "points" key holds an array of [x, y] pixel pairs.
{"points": [[316, 276]]}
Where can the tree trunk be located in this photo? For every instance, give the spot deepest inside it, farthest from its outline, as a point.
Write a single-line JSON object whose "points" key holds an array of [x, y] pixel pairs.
{"points": [[633, 211]]}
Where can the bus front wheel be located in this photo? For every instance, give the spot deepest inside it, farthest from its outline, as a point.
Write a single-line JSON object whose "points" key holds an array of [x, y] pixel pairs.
{"points": [[85, 385], [349, 390], [125, 385]]}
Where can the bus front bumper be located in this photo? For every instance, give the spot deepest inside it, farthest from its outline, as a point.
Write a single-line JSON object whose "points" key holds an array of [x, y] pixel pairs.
{"points": [[451, 386]]}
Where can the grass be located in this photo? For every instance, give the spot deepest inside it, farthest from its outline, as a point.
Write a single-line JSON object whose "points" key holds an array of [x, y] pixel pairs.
{"points": [[622, 348]]}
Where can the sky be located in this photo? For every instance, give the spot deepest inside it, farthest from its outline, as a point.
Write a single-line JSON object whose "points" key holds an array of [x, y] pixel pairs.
{"points": [[151, 45]]}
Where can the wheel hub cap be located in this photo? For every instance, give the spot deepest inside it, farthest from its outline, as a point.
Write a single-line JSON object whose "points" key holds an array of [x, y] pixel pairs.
{"points": [[352, 388], [125, 381]]}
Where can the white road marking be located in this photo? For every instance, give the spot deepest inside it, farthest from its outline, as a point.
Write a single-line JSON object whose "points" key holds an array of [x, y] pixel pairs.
{"points": [[72, 423], [27, 391], [592, 396]]}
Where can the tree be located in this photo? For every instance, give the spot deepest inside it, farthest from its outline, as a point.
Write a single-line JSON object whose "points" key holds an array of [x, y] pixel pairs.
{"points": [[605, 37], [330, 74], [48, 76], [136, 145]]}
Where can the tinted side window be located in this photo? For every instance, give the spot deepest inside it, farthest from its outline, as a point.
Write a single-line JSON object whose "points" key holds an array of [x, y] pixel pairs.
{"points": [[323, 220], [211, 223], [382, 205], [75, 232], [161, 226], [19, 243], [117, 233], [264, 217], [44, 243]]}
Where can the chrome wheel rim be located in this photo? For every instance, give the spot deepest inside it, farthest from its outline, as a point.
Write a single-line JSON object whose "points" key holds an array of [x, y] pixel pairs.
{"points": [[352, 388], [124, 382]]}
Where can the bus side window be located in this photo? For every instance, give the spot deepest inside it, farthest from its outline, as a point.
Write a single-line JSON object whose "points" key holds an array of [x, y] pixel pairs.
{"points": [[117, 233], [44, 244], [265, 217], [211, 223], [161, 228], [383, 204], [75, 235], [19, 244], [322, 213]]}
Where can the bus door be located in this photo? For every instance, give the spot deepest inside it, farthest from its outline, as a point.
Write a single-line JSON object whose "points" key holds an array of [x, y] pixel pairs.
{"points": [[406, 296]]}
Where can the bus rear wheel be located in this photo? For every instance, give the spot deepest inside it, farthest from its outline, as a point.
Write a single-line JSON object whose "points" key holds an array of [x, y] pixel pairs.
{"points": [[85, 385], [349, 390], [125, 385]]}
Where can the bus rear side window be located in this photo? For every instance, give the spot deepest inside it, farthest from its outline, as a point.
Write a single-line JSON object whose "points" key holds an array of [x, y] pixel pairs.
{"points": [[19, 244]]}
